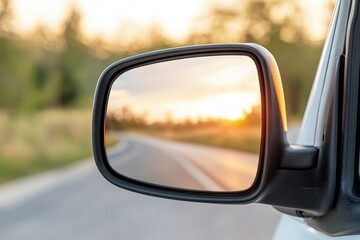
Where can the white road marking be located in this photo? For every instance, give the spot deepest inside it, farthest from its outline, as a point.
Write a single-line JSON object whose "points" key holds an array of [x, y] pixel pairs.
{"points": [[195, 172]]}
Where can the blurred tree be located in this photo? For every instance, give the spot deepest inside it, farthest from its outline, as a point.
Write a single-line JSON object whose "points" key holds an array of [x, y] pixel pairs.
{"points": [[72, 61], [14, 67], [6, 15], [80, 63]]}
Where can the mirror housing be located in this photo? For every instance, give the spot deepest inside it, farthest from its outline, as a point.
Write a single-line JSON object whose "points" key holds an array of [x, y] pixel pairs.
{"points": [[286, 174], [191, 123]]}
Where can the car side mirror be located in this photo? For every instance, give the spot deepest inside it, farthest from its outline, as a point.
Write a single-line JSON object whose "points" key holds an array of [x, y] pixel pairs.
{"points": [[202, 94]]}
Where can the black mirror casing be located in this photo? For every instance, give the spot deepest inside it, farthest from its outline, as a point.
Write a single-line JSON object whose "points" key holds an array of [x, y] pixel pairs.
{"points": [[281, 168]]}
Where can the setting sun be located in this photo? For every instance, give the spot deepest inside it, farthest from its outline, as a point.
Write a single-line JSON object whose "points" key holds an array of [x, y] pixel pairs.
{"points": [[231, 106]]}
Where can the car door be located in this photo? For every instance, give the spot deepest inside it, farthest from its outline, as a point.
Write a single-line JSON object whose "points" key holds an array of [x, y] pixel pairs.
{"points": [[338, 54]]}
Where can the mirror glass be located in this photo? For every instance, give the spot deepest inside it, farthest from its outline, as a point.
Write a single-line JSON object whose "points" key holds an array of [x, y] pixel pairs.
{"points": [[192, 123]]}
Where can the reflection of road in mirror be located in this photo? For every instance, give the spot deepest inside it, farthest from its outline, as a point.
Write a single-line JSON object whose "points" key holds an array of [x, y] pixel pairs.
{"points": [[183, 165]]}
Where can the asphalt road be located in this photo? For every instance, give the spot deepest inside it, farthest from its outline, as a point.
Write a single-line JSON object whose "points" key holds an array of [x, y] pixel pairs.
{"points": [[77, 203], [183, 165]]}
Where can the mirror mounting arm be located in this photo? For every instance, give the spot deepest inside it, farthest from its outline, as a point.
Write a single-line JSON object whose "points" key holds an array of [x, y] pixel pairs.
{"points": [[299, 157]]}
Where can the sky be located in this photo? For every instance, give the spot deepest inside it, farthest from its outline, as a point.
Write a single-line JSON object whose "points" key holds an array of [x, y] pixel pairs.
{"points": [[105, 17], [218, 86]]}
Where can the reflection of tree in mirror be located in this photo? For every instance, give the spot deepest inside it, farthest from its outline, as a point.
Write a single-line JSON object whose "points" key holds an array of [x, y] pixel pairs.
{"points": [[124, 119], [242, 134]]}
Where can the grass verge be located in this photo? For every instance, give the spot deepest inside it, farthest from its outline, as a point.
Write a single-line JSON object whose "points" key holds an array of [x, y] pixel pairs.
{"points": [[46, 140]]}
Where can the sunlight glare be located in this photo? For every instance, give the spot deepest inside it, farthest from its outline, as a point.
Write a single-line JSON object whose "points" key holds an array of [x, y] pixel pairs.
{"points": [[230, 106]]}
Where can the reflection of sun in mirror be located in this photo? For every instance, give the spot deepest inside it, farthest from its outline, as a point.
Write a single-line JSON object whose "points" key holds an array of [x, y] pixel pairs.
{"points": [[230, 106]]}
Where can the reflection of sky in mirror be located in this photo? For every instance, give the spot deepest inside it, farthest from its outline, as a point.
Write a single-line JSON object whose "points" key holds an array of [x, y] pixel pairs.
{"points": [[216, 86]]}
